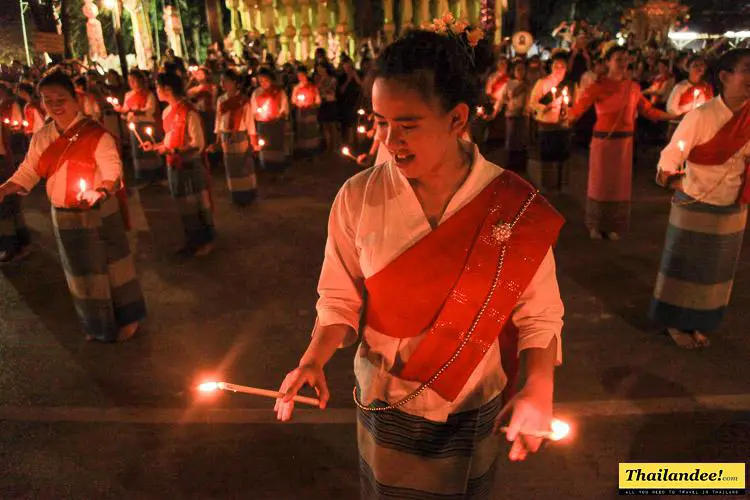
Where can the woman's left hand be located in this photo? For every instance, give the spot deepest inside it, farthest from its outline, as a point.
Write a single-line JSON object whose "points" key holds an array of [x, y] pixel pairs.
{"points": [[89, 198], [532, 412]]}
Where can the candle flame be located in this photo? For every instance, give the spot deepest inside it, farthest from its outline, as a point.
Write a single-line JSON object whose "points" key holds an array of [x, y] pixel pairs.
{"points": [[109, 99], [565, 91], [566, 99], [149, 131], [554, 90], [361, 112], [82, 185], [681, 145], [6, 121], [209, 386], [15, 123], [361, 129], [696, 93], [131, 126], [560, 430], [301, 97], [480, 110], [346, 151], [261, 142], [25, 123]]}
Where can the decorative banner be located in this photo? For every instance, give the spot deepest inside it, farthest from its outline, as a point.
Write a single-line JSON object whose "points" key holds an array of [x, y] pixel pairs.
{"points": [[522, 42]]}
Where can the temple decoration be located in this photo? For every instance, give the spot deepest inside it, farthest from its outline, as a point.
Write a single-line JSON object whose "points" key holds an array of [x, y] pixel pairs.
{"points": [[652, 20], [388, 26], [237, 34], [288, 47], [407, 15], [305, 31], [97, 48], [323, 29], [173, 28], [269, 16], [342, 29], [425, 19], [139, 19]]}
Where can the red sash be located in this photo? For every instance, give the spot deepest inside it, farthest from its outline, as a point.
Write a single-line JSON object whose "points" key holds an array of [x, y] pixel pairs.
{"points": [[499, 83], [136, 100], [688, 96], [440, 284], [309, 93], [730, 139], [30, 116], [268, 104], [175, 126], [77, 147], [233, 105]]}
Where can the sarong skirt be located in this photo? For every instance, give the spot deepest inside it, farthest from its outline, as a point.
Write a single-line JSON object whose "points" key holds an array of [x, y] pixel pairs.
{"points": [[14, 234], [275, 154], [189, 188], [240, 167], [148, 165], [406, 456], [610, 182], [99, 268], [308, 131], [697, 268]]}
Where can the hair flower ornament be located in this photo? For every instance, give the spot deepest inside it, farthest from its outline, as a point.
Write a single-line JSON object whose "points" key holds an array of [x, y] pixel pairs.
{"points": [[448, 25]]}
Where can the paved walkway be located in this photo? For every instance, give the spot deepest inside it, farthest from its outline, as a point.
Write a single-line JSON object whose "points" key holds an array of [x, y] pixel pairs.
{"points": [[85, 420]]}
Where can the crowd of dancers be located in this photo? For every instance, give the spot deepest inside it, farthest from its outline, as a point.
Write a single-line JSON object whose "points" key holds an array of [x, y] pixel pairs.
{"points": [[453, 252]]}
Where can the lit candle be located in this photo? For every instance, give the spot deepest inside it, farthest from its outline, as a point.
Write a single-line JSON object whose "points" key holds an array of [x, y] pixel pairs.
{"points": [[566, 99], [554, 92], [109, 99], [301, 97], [565, 91], [261, 142], [15, 123], [347, 152], [558, 430], [25, 123], [696, 94], [82, 186], [115, 101], [480, 110], [150, 132], [6, 121], [209, 387], [134, 129], [361, 129], [361, 112], [681, 145]]}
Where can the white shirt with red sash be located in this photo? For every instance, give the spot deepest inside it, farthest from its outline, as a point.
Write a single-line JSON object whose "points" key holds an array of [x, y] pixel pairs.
{"points": [[712, 184], [106, 155], [376, 217]]}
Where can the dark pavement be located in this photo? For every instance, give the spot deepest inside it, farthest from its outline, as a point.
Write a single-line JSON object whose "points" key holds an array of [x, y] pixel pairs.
{"points": [[85, 420]]}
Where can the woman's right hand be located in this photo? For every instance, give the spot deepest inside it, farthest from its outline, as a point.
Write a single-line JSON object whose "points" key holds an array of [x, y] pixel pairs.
{"points": [[311, 375]]}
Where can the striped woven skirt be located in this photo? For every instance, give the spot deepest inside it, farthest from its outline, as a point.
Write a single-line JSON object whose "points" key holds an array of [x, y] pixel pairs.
{"points": [[14, 235], [697, 268], [275, 154], [240, 167], [403, 456], [148, 165], [550, 169], [189, 186], [610, 182], [99, 268], [308, 139]]}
